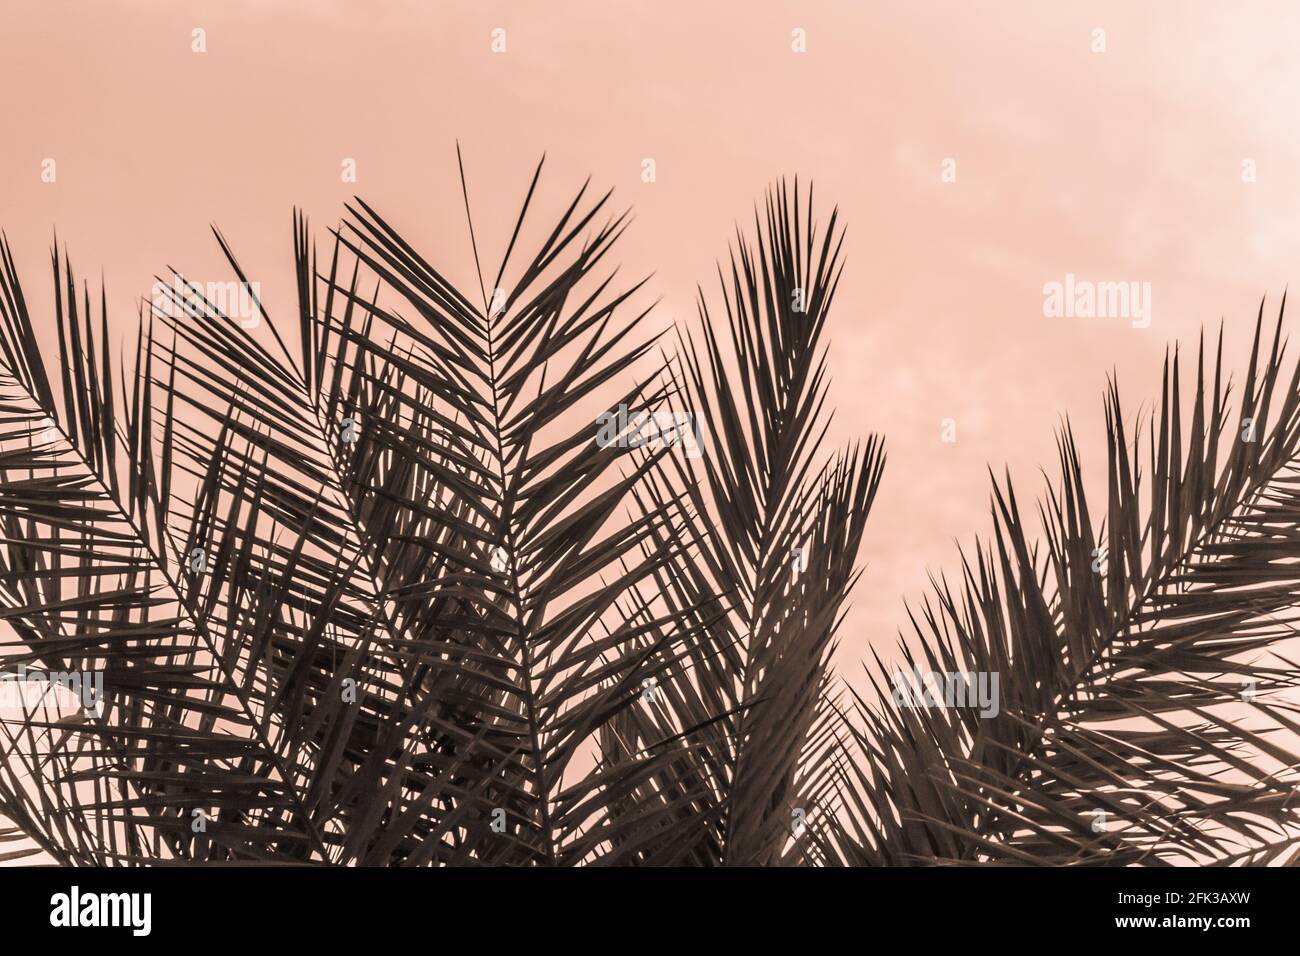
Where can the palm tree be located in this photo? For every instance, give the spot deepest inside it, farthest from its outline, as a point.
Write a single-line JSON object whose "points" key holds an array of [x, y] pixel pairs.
{"points": [[773, 536], [1145, 714], [380, 593], [347, 602]]}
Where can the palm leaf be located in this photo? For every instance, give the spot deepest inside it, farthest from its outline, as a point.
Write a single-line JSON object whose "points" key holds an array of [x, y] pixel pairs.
{"points": [[774, 533], [1123, 734], [89, 587]]}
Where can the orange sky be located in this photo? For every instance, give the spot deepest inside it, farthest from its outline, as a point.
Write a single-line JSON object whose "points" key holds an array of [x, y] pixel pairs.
{"points": [[1125, 165]]}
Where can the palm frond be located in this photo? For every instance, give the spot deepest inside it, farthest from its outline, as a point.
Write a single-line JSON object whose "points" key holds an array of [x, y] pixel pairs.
{"points": [[774, 534], [89, 589], [510, 615], [1146, 702]]}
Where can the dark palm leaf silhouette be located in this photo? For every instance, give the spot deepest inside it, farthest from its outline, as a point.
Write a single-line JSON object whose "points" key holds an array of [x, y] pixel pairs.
{"points": [[774, 534], [1143, 659], [386, 596], [348, 608]]}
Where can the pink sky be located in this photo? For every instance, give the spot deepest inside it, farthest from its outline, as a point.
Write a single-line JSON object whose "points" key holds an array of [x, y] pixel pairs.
{"points": [[1117, 166]]}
